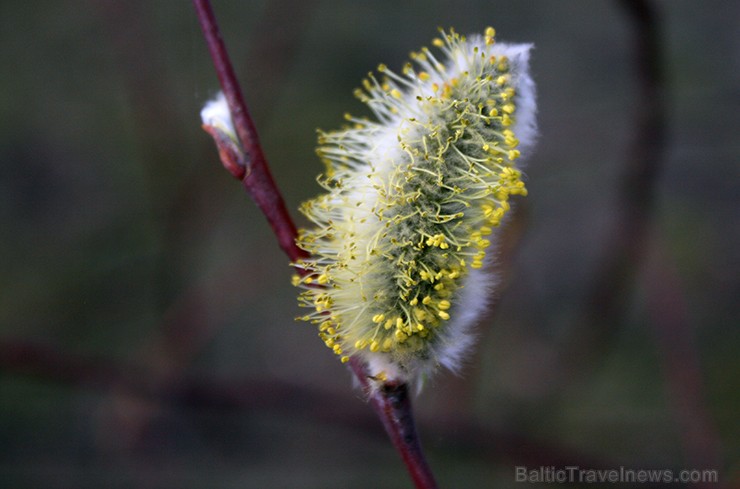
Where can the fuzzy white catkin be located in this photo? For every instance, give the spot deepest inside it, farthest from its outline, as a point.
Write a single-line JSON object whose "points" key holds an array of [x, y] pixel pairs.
{"points": [[216, 114], [396, 274]]}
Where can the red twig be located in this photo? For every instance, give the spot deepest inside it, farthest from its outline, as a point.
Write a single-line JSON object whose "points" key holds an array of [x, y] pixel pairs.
{"points": [[252, 168], [248, 163], [393, 406]]}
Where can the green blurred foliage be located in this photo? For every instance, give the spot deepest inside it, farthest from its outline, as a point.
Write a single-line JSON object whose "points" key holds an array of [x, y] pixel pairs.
{"points": [[124, 241]]}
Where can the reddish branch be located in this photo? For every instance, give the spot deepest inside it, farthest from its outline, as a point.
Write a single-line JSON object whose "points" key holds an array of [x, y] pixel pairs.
{"points": [[251, 168], [248, 164], [393, 406]]}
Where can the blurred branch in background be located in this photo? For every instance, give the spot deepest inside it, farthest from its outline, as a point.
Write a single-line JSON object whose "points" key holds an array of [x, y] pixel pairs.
{"points": [[98, 374], [460, 435], [612, 285], [627, 244]]}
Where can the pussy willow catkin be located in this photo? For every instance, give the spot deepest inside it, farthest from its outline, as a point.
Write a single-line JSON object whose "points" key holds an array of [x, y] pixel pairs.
{"points": [[411, 204]]}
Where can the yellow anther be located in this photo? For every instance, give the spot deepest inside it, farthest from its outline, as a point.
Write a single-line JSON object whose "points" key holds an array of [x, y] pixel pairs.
{"points": [[382, 67], [323, 278], [378, 318], [399, 323], [426, 301], [414, 301], [423, 76], [387, 343], [490, 31], [295, 280], [438, 42], [511, 142], [374, 346], [509, 108], [395, 93], [444, 305], [502, 80], [345, 359], [443, 315]]}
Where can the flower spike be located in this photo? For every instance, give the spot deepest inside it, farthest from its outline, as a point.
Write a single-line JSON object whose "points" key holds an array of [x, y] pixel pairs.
{"points": [[412, 199]]}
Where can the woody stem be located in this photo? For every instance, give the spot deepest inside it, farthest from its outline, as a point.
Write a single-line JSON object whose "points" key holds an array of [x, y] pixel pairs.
{"points": [[248, 164]]}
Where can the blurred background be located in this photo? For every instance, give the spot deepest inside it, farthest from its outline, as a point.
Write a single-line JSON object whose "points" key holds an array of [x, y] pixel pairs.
{"points": [[147, 337]]}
